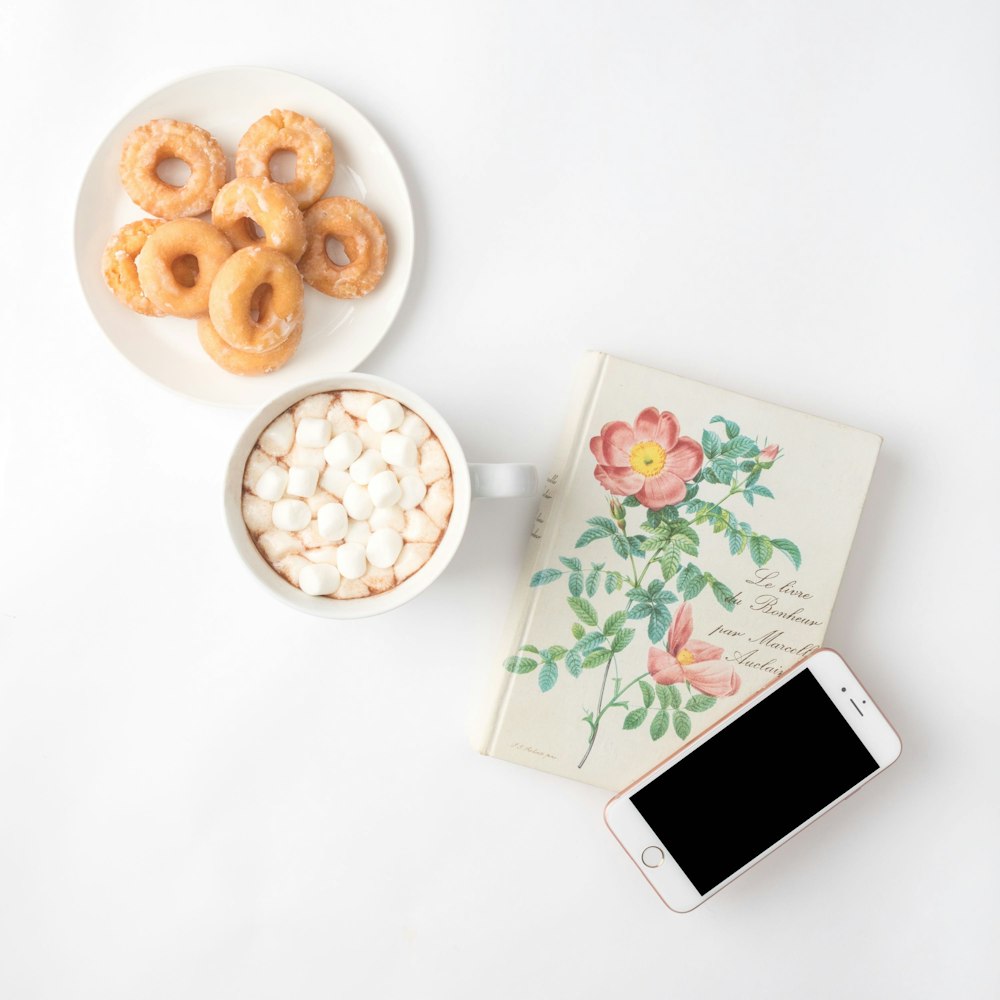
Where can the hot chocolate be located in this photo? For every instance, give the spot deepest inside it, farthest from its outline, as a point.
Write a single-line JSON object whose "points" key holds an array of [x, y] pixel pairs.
{"points": [[347, 494]]}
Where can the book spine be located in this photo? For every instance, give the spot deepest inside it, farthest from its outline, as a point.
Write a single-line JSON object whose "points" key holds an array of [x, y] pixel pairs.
{"points": [[571, 446]]}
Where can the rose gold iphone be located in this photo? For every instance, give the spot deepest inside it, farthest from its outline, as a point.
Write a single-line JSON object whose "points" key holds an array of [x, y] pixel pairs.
{"points": [[718, 806]]}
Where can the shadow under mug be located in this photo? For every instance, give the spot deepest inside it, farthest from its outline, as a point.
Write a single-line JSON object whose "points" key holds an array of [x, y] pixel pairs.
{"points": [[471, 481]]}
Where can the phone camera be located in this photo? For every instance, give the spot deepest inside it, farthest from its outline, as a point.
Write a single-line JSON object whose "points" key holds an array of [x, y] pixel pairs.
{"points": [[843, 689]]}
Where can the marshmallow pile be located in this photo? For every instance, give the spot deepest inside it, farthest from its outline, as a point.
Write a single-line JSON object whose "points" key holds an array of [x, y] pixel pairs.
{"points": [[347, 494]]}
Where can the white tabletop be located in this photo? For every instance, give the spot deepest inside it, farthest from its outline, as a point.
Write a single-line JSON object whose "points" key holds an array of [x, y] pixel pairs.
{"points": [[204, 794]]}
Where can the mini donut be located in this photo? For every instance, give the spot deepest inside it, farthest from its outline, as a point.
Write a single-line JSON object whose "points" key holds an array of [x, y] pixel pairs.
{"points": [[257, 200], [363, 238], [163, 139], [245, 362], [236, 297], [287, 131], [165, 271], [118, 265]]}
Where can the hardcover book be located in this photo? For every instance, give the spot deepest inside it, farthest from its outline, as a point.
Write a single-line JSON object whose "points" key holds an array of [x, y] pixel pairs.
{"points": [[688, 550]]}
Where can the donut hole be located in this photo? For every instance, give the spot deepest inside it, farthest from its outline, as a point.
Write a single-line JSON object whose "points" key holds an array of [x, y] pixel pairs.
{"points": [[254, 232], [260, 302], [176, 173], [185, 270], [282, 166], [336, 252]]}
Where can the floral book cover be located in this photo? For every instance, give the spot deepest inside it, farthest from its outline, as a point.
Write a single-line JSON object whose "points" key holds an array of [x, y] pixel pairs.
{"points": [[688, 550]]}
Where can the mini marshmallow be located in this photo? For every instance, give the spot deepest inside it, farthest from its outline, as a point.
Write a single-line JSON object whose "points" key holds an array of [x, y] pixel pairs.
{"points": [[301, 455], [413, 556], [358, 403], [382, 517], [311, 538], [291, 515], [340, 419], [385, 415], [318, 579], [420, 528], [378, 581], [312, 406], [302, 481], [369, 464], [257, 464], [290, 567], [319, 499], [384, 489], [256, 513], [397, 449], [343, 450], [413, 491], [433, 462], [413, 427], [358, 503], [370, 438], [278, 436], [439, 501], [314, 432], [271, 485], [350, 589], [351, 561], [324, 554], [277, 544], [384, 547], [359, 532], [331, 521], [336, 481]]}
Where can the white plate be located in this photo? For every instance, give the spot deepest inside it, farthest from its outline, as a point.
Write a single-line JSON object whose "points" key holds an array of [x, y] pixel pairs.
{"points": [[339, 334]]}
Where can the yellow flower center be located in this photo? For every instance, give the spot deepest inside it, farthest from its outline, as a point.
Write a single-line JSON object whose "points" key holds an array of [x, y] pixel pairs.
{"points": [[685, 657], [647, 458]]}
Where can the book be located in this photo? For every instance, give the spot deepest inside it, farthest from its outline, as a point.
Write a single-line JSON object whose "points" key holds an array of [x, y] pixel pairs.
{"points": [[687, 550]]}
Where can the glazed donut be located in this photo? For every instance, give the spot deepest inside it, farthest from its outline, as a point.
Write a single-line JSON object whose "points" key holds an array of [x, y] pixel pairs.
{"points": [[249, 200], [118, 265], [165, 266], [163, 139], [245, 362], [363, 239], [236, 297], [287, 131]]}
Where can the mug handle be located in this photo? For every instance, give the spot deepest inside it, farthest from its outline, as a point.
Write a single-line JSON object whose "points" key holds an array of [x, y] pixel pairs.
{"points": [[494, 481]]}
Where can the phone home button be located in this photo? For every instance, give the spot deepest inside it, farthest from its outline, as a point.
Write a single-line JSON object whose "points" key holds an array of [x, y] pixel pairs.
{"points": [[652, 857]]}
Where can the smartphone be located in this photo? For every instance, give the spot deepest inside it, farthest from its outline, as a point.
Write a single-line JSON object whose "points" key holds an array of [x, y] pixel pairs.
{"points": [[761, 774]]}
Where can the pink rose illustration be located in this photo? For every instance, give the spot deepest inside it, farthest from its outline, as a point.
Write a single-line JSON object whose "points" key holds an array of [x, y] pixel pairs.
{"points": [[687, 659], [648, 460], [768, 454]]}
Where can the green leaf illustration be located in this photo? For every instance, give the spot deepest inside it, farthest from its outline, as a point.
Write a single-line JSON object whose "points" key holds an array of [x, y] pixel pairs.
{"points": [[737, 542], [647, 693], [682, 724], [593, 582], [544, 576], [741, 447], [590, 642], [790, 549], [659, 622], [555, 652], [604, 523], [634, 719], [613, 581], [583, 610], [669, 696], [574, 663], [670, 563], [571, 562], [710, 443], [614, 622], [622, 639], [590, 535], [529, 649], [699, 703], [724, 468], [620, 546], [548, 676], [596, 659], [732, 428], [630, 502], [762, 491], [760, 549], [577, 630], [723, 595], [520, 664], [691, 582], [576, 584], [660, 725]]}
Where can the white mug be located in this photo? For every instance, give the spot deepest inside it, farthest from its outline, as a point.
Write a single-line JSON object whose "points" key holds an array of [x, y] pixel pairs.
{"points": [[470, 481]]}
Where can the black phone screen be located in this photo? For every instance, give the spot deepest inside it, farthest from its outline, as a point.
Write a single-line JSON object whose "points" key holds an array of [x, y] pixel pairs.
{"points": [[758, 779]]}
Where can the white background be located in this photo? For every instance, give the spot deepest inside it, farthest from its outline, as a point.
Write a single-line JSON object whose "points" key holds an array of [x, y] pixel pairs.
{"points": [[206, 795]]}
